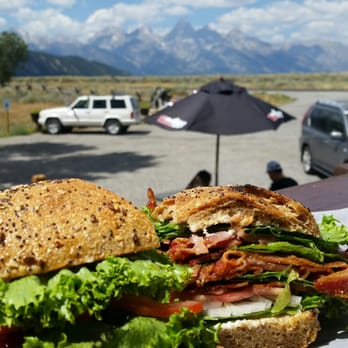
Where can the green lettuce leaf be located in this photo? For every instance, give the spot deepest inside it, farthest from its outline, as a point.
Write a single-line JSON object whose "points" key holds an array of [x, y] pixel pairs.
{"points": [[284, 298], [286, 248], [264, 277], [182, 330], [295, 238], [41, 302], [332, 230], [167, 230], [311, 247]]}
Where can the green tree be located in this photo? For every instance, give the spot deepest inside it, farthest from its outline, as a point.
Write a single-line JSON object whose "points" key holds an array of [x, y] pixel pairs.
{"points": [[13, 51]]}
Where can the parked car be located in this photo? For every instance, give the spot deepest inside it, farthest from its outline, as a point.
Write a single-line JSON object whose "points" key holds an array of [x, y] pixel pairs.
{"points": [[115, 113], [324, 137]]}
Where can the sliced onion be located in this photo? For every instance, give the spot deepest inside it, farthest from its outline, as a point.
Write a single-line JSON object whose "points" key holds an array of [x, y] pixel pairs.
{"points": [[252, 305]]}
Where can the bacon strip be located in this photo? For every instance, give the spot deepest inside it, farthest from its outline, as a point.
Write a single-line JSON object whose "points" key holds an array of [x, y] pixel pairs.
{"points": [[211, 262], [234, 263], [335, 284], [218, 239], [183, 249], [151, 203]]}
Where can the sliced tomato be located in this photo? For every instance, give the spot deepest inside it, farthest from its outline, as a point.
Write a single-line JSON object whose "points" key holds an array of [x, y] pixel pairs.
{"points": [[146, 306], [4, 330], [11, 337]]}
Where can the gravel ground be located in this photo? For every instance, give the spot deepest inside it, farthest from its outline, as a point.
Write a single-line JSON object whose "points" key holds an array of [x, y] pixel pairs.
{"points": [[148, 156]]}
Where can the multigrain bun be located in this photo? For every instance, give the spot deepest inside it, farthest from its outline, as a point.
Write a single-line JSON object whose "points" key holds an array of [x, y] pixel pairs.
{"points": [[237, 205], [57, 224], [290, 331]]}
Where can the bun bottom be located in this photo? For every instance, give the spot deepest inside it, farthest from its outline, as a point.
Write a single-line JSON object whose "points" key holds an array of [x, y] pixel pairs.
{"points": [[287, 331]]}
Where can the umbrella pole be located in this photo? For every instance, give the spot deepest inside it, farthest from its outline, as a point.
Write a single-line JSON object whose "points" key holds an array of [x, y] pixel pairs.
{"points": [[217, 149]]}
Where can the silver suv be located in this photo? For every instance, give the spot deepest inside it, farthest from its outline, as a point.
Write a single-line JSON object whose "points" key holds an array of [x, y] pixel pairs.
{"points": [[115, 113], [324, 137]]}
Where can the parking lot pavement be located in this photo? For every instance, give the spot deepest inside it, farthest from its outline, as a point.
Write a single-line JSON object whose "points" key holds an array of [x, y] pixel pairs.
{"points": [[148, 156]]}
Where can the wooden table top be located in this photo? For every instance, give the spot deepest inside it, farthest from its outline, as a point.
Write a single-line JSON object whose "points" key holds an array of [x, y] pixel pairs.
{"points": [[324, 194]]}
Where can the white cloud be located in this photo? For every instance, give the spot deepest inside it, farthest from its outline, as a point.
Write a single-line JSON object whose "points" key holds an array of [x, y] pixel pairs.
{"points": [[48, 25], [152, 13], [276, 21], [52, 24], [284, 20], [2, 22], [177, 11], [206, 3], [6, 5], [128, 16], [63, 3]]}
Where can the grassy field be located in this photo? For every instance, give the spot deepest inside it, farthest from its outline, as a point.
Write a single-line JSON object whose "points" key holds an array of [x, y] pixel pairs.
{"points": [[28, 95]]}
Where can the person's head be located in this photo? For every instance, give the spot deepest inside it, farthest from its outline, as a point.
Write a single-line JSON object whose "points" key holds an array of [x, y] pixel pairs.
{"points": [[202, 178], [274, 170], [205, 177]]}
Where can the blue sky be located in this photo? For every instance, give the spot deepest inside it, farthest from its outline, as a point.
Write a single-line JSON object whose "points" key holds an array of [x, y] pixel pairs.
{"points": [[268, 20]]}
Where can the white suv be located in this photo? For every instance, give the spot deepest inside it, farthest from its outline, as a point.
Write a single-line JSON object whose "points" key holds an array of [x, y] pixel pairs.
{"points": [[115, 113]]}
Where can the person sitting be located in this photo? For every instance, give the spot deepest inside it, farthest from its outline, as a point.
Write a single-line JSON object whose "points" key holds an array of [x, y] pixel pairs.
{"points": [[202, 178], [279, 180]]}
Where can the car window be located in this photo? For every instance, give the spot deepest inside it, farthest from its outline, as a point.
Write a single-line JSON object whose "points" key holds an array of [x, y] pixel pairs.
{"points": [[118, 104], [81, 104], [318, 120], [135, 103], [327, 120], [99, 104], [336, 123]]}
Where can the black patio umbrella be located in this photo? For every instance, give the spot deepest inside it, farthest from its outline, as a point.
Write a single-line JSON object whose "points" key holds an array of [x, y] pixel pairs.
{"points": [[221, 108]]}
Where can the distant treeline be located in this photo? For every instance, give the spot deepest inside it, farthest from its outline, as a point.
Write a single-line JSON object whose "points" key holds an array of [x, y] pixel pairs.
{"points": [[43, 64]]}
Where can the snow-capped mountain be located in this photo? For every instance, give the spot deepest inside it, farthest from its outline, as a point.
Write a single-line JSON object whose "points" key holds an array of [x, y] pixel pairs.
{"points": [[186, 50]]}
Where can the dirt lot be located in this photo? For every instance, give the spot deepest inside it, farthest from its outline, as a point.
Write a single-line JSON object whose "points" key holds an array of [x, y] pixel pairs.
{"points": [[151, 157]]}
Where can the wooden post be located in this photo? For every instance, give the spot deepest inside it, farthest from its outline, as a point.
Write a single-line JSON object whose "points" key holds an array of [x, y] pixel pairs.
{"points": [[7, 115]]}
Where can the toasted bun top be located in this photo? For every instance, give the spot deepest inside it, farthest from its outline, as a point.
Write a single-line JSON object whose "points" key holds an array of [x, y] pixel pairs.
{"points": [[63, 223], [240, 206]]}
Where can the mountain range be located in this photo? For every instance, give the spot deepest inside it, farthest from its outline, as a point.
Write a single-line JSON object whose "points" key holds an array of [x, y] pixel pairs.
{"points": [[43, 64], [188, 51]]}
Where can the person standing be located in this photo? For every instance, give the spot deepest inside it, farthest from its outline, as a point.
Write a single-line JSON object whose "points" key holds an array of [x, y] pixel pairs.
{"points": [[279, 180]]}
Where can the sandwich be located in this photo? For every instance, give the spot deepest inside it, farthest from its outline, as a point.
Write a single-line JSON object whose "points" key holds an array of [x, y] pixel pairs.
{"points": [[79, 267], [258, 262]]}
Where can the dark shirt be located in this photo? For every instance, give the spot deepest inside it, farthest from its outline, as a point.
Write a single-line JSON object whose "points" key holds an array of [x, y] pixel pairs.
{"points": [[282, 183]]}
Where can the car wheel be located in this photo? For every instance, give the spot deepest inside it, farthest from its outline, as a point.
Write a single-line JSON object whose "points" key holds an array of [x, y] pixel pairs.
{"points": [[53, 126], [306, 160], [113, 127]]}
